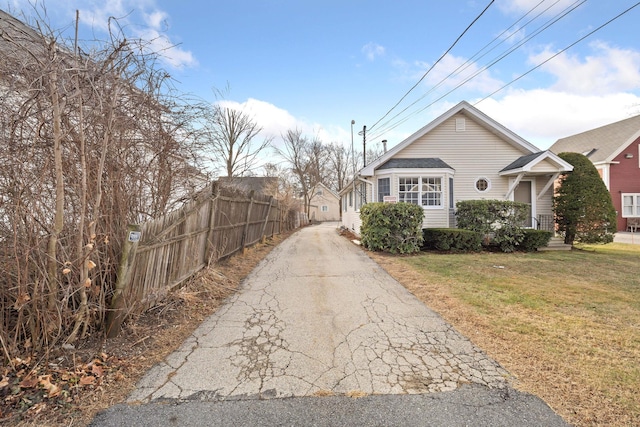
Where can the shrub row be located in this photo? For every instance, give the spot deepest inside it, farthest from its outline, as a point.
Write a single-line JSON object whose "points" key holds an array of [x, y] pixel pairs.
{"points": [[460, 240], [451, 239], [397, 228]]}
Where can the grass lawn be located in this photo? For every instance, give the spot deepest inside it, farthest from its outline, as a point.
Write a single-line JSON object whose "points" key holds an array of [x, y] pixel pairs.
{"points": [[565, 324]]}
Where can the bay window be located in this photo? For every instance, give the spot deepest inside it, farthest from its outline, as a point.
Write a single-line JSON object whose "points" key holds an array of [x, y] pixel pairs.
{"points": [[425, 191]]}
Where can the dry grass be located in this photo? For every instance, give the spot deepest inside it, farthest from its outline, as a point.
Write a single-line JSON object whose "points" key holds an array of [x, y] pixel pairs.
{"points": [[566, 324], [144, 342]]}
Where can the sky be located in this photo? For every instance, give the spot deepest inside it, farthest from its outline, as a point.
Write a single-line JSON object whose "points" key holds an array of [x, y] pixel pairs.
{"points": [[542, 68]]}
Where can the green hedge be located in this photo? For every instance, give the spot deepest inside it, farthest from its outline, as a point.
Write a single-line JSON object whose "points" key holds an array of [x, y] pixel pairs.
{"points": [[500, 219], [391, 227], [452, 239], [534, 239]]}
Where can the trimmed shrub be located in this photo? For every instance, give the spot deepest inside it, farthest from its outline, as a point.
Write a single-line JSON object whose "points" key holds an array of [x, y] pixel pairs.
{"points": [[501, 219], [582, 204], [452, 239], [534, 239], [391, 227]]}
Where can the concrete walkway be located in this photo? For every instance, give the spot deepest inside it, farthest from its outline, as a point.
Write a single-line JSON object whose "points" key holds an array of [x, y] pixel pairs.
{"points": [[319, 318], [627, 237]]}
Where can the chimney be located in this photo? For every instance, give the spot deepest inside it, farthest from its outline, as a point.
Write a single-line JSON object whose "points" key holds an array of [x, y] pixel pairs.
{"points": [[384, 145]]}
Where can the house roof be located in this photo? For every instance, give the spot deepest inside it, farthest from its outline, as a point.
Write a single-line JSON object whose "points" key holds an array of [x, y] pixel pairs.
{"points": [[526, 163], [469, 111], [259, 184], [601, 144], [427, 163], [522, 161], [329, 190]]}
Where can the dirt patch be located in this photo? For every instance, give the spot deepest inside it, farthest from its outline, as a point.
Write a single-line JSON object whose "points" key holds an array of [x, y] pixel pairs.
{"points": [[70, 387]]}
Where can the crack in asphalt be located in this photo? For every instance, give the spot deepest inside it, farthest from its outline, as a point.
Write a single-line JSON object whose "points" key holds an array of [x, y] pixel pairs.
{"points": [[294, 330]]}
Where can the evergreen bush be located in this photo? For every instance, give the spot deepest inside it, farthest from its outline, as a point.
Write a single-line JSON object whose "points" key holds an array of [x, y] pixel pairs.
{"points": [[582, 204], [499, 221], [391, 227], [534, 239]]}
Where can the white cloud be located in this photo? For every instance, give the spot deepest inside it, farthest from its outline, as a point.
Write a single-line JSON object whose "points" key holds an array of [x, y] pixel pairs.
{"points": [[160, 44], [543, 116], [460, 70], [276, 121], [151, 31], [273, 120], [156, 18], [372, 50], [608, 69]]}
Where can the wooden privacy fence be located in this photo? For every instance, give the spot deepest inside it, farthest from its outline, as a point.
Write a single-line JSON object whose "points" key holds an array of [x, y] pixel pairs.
{"points": [[159, 255]]}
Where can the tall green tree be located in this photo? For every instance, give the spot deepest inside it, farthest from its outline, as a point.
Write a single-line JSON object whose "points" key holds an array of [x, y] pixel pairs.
{"points": [[582, 204]]}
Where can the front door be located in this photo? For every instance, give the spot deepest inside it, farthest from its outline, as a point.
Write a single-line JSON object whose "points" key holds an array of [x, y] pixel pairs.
{"points": [[522, 194]]}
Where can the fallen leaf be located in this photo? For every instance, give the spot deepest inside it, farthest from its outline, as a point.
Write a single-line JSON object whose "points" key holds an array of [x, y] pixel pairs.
{"points": [[87, 380], [97, 370], [29, 382], [52, 389], [4, 382]]}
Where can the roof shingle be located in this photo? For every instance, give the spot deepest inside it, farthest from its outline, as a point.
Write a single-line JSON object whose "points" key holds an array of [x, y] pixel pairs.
{"points": [[602, 142], [426, 163]]}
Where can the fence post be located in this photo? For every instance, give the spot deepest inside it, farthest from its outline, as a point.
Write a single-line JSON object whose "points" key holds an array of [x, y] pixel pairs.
{"points": [[213, 207], [117, 311], [247, 221], [266, 219]]}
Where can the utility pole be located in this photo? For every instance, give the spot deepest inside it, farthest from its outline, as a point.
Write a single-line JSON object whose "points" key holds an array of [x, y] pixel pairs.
{"points": [[353, 153], [364, 144]]}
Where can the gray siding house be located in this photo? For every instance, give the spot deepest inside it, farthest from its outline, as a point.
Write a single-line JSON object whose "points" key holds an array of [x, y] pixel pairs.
{"points": [[461, 155]]}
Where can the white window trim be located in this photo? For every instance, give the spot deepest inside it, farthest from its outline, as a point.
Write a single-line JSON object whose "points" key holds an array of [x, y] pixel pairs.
{"points": [[324, 208], [635, 207], [420, 177], [475, 185]]}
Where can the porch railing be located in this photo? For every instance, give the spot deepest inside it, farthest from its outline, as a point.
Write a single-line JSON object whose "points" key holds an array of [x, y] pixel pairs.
{"points": [[545, 222]]}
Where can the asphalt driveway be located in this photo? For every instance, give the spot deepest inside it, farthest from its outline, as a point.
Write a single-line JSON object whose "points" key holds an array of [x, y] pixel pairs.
{"points": [[319, 334]]}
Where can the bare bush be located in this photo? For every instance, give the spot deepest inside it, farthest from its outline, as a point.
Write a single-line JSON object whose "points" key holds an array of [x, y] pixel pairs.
{"points": [[89, 143]]}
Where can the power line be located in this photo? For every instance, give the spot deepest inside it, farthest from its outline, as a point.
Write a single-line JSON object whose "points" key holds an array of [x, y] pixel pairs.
{"points": [[506, 53], [519, 77], [561, 51], [469, 61], [434, 64]]}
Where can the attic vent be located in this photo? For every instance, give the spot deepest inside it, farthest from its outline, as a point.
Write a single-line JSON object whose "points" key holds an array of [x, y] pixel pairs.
{"points": [[590, 152], [460, 125]]}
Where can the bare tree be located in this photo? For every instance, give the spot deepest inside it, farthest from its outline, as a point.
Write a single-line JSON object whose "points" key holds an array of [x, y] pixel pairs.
{"points": [[284, 188], [307, 160], [231, 136], [341, 166]]}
